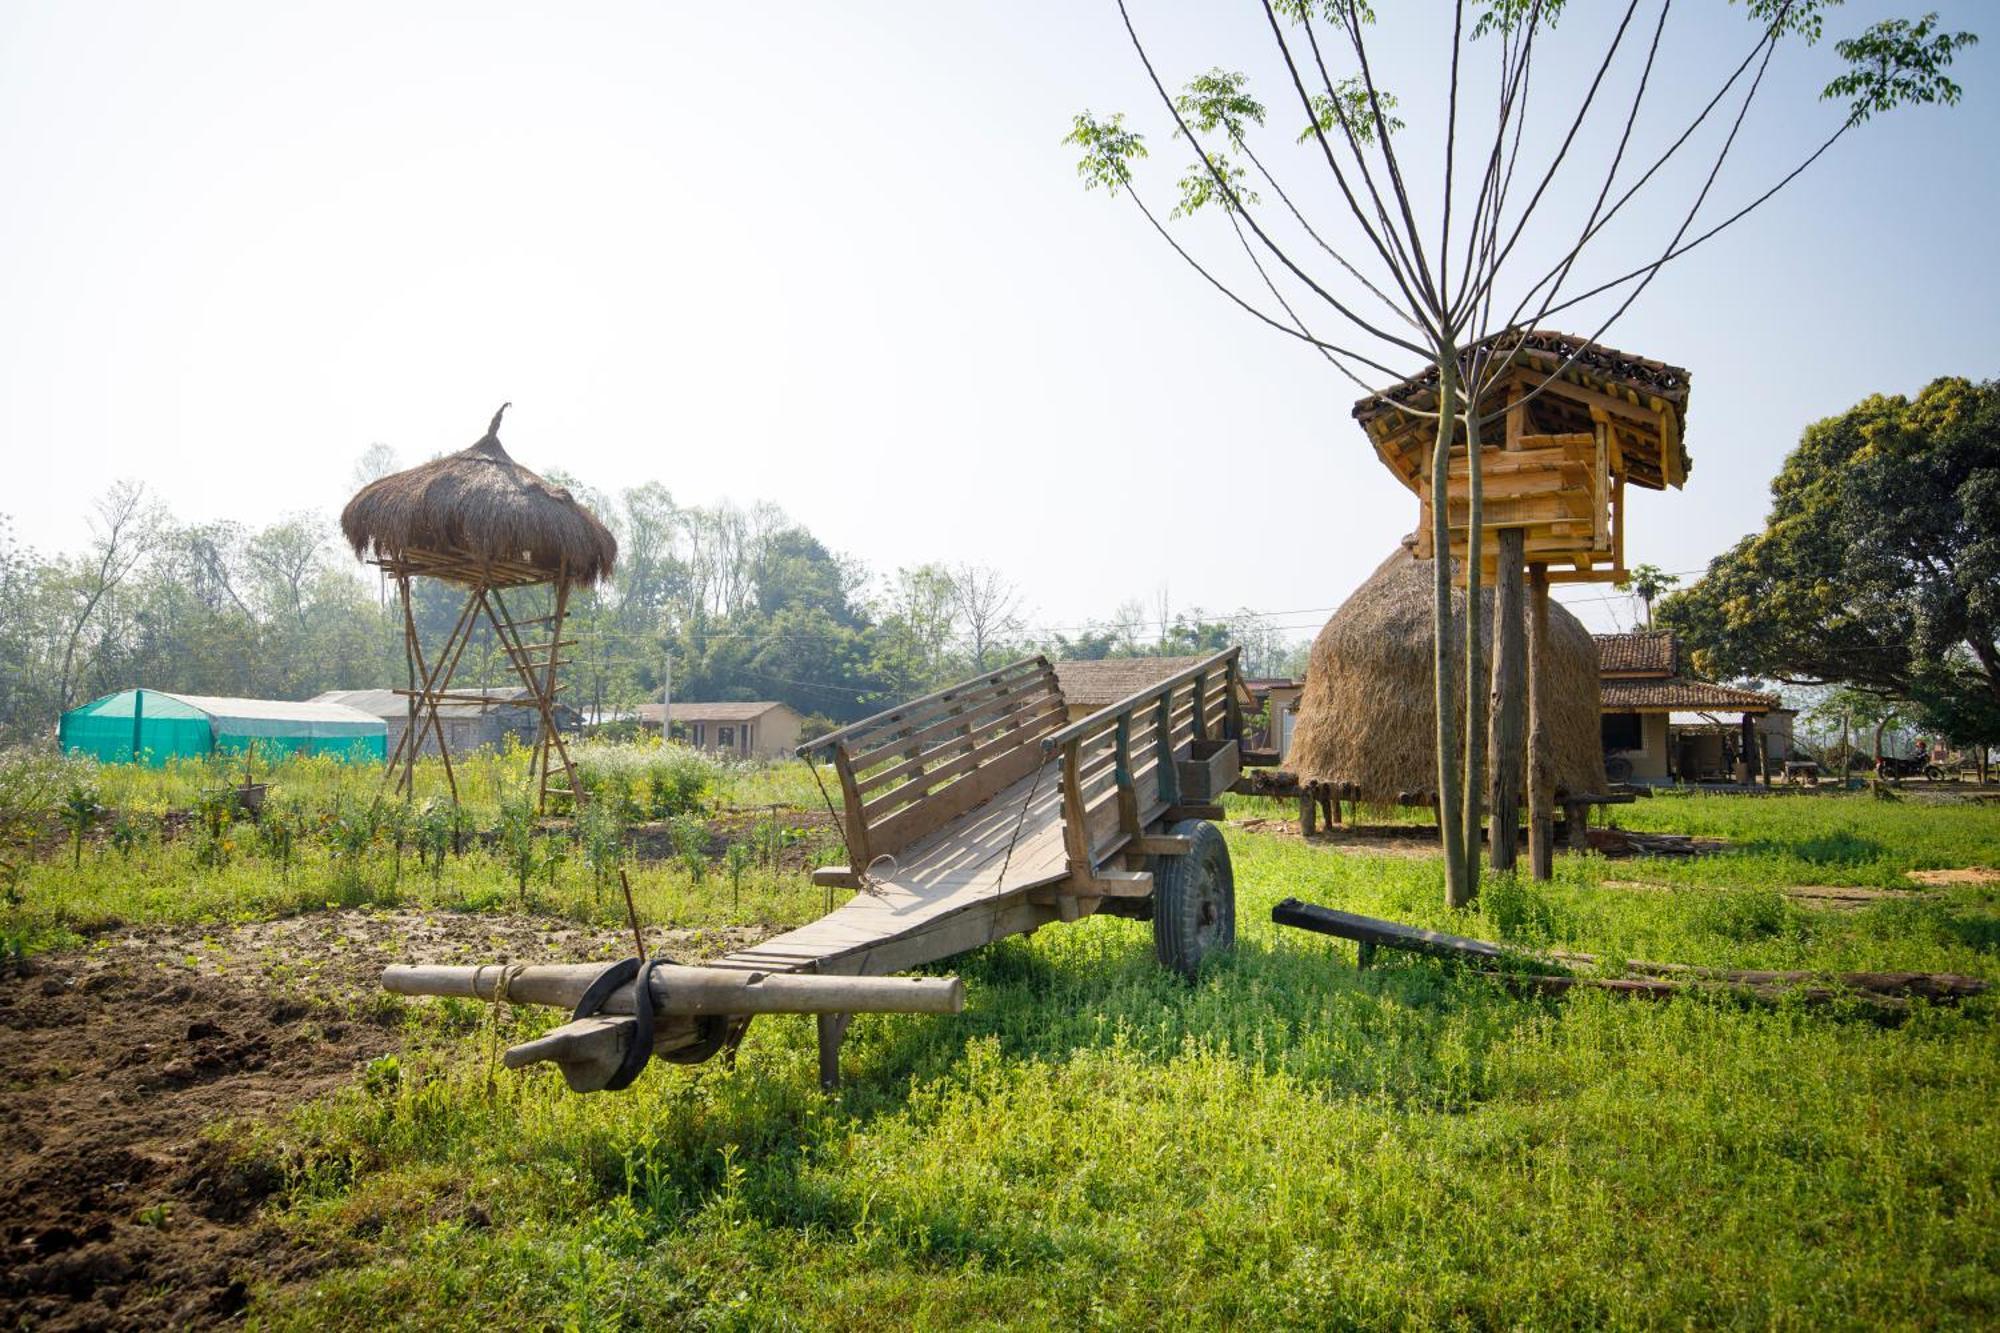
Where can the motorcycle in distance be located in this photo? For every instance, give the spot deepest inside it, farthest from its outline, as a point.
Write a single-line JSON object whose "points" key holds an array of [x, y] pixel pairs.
{"points": [[1895, 769]]}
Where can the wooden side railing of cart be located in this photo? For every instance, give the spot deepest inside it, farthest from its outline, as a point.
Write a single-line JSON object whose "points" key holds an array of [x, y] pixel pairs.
{"points": [[1165, 753]]}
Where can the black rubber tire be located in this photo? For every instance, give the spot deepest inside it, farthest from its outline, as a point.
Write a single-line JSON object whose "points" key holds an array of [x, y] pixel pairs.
{"points": [[1194, 899]]}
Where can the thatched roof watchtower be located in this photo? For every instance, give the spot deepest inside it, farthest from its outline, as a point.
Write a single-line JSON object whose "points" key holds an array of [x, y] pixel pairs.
{"points": [[478, 516], [481, 521]]}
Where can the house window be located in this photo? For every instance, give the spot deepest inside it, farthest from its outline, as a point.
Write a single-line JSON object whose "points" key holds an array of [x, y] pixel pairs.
{"points": [[725, 738], [1622, 731], [696, 733]]}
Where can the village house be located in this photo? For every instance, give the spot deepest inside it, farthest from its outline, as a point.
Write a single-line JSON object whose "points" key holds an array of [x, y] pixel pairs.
{"points": [[759, 729], [468, 724], [1276, 700], [1659, 726]]}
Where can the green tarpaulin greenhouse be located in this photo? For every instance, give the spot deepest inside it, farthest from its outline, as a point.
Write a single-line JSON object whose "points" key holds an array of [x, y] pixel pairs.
{"points": [[152, 726]]}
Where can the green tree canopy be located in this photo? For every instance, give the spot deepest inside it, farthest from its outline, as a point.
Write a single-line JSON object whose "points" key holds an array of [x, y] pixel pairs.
{"points": [[1879, 565]]}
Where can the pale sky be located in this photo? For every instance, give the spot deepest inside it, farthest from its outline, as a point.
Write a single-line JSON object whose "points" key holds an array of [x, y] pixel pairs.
{"points": [[836, 257]]}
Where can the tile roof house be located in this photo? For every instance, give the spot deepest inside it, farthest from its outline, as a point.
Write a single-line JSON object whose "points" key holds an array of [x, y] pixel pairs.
{"points": [[753, 729], [1090, 685], [510, 711], [1660, 726]]}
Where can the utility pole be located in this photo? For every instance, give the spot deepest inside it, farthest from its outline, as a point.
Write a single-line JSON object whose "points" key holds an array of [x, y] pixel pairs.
{"points": [[667, 697]]}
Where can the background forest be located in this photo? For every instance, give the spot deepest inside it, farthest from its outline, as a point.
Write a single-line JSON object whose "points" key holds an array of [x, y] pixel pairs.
{"points": [[746, 602]]}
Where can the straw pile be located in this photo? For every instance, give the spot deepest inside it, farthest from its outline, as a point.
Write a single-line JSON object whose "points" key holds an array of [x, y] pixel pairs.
{"points": [[480, 504], [1367, 720]]}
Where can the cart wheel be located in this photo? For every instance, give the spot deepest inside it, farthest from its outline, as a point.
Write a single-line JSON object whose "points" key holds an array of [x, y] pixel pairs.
{"points": [[1194, 899]]}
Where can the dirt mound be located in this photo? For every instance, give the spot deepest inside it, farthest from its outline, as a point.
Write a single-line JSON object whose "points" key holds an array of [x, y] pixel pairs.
{"points": [[119, 1205]]}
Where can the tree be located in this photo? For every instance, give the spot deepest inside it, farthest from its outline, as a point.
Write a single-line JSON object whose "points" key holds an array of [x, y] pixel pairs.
{"points": [[989, 607], [378, 460], [1878, 567], [120, 533], [1441, 289], [920, 617], [1646, 583]]}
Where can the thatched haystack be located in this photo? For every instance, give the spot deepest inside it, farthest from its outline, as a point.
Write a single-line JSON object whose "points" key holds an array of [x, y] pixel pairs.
{"points": [[479, 504], [1367, 722]]}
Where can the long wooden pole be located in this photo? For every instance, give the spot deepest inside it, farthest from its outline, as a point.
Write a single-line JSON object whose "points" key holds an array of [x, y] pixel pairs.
{"points": [[1444, 657], [1541, 765], [1474, 808], [688, 990]]}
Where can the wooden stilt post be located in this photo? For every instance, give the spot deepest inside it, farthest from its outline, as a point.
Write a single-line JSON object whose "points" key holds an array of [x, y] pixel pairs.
{"points": [[832, 1032], [1507, 728], [1541, 774], [1508, 731], [1308, 814]]}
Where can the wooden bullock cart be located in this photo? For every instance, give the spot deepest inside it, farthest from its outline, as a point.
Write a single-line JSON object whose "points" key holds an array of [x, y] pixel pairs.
{"points": [[971, 814]]}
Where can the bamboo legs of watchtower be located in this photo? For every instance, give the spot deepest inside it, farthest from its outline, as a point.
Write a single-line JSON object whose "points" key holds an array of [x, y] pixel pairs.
{"points": [[538, 673], [430, 686]]}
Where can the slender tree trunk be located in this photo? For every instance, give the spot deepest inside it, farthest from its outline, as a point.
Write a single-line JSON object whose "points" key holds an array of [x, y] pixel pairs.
{"points": [[1443, 657], [1510, 696], [1541, 768], [1475, 659]]}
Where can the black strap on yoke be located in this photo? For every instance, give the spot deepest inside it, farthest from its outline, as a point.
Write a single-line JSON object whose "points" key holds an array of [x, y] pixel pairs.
{"points": [[638, 971]]}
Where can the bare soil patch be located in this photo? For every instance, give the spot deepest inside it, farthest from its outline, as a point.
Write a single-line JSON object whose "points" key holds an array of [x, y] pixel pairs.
{"points": [[119, 1207], [1943, 879], [1842, 897]]}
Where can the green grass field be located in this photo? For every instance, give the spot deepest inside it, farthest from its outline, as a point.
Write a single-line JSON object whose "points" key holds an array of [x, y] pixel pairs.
{"points": [[1286, 1142]]}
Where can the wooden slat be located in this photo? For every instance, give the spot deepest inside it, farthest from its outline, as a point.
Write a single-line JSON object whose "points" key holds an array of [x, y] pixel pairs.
{"points": [[935, 701], [915, 821], [1102, 719], [1600, 481], [1022, 711], [918, 787], [879, 745]]}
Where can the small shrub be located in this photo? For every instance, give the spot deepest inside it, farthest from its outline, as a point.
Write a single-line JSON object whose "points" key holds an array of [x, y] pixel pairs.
{"points": [[737, 860], [601, 838], [517, 841], [690, 839], [80, 812], [279, 829], [128, 833], [433, 832]]}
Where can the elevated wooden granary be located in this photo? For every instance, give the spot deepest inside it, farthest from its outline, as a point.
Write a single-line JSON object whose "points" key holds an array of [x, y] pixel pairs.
{"points": [[482, 522], [1585, 420]]}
